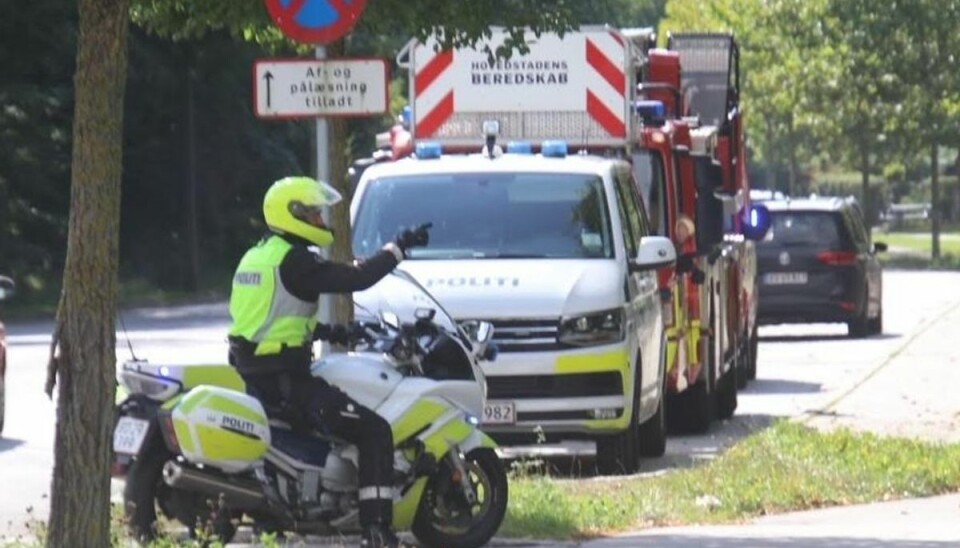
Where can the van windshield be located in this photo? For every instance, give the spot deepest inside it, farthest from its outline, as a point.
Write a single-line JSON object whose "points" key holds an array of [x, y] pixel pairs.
{"points": [[489, 215]]}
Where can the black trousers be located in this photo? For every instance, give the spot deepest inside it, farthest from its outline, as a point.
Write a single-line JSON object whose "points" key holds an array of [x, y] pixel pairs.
{"points": [[311, 404]]}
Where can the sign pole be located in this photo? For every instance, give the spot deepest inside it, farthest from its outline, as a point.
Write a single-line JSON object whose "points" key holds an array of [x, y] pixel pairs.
{"points": [[325, 312]]}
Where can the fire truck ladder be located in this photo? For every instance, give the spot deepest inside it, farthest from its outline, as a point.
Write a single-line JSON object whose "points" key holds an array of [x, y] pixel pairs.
{"points": [[710, 76]]}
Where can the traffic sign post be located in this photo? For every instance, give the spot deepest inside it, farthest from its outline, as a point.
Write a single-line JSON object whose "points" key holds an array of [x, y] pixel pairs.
{"points": [[289, 91], [305, 88]]}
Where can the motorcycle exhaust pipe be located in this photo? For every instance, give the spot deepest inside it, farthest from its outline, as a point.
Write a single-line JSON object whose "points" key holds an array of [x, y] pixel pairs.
{"points": [[237, 494]]}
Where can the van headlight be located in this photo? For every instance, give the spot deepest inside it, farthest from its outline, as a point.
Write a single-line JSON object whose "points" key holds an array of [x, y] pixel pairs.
{"points": [[593, 329]]}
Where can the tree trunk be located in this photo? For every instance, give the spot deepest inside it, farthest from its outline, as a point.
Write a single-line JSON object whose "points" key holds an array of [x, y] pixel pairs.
{"points": [[342, 247], [791, 176], [865, 181], [85, 365], [191, 229], [935, 200]]}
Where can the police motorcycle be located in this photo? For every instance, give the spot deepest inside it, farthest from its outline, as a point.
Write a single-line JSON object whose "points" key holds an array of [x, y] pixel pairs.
{"points": [[208, 456]]}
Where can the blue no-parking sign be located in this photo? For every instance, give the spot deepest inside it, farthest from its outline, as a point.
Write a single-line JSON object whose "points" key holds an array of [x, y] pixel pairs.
{"points": [[315, 21]]}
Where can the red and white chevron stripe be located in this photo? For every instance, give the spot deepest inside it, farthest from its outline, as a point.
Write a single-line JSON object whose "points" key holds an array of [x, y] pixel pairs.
{"points": [[445, 88]]}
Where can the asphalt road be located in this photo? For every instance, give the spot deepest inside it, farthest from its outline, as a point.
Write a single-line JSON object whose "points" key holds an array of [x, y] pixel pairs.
{"points": [[803, 371]]}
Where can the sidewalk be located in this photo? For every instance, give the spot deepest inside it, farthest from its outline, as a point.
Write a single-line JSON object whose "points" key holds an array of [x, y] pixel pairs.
{"points": [[914, 523]]}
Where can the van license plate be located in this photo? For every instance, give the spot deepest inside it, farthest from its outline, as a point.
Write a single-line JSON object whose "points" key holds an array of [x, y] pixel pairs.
{"points": [[785, 278], [129, 434], [499, 412]]}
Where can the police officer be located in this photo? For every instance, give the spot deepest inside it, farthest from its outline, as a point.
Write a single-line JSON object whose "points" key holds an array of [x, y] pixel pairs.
{"points": [[273, 305]]}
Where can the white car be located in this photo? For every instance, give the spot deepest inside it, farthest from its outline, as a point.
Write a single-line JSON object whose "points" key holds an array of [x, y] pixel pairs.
{"points": [[554, 250]]}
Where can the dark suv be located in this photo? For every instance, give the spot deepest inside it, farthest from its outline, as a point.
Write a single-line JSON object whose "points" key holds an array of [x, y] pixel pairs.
{"points": [[817, 264]]}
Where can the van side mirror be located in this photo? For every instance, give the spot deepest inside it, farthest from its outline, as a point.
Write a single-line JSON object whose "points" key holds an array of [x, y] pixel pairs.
{"points": [[879, 247], [655, 252], [7, 287]]}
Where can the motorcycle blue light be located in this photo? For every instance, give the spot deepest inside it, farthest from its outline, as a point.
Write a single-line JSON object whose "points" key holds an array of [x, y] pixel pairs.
{"points": [[554, 149], [520, 147], [429, 150]]}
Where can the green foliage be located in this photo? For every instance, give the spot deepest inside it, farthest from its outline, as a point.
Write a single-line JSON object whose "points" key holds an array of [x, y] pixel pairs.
{"points": [[36, 105], [183, 50], [859, 82], [455, 24]]}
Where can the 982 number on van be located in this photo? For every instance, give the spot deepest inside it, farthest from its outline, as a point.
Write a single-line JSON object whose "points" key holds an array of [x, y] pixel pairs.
{"points": [[499, 412]]}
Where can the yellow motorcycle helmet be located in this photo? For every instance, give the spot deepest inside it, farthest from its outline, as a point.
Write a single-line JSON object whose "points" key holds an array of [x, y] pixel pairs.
{"points": [[293, 205]]}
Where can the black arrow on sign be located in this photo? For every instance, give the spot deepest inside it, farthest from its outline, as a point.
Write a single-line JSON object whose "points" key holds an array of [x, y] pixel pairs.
{"points": [[267, 77]]}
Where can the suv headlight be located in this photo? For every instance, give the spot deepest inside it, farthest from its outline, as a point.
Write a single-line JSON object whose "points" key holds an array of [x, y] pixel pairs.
{"points": [[593, 329]]}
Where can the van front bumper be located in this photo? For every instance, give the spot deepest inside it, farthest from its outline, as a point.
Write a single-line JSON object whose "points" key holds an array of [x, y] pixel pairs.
{"points": [[576, 392]]}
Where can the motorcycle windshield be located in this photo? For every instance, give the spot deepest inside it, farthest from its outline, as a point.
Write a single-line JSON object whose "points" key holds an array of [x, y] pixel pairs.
{"points": [[399, 293]]}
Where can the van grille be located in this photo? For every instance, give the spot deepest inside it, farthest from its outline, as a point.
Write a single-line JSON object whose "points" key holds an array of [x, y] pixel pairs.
{"points": [[537, 335], [574, 385]]}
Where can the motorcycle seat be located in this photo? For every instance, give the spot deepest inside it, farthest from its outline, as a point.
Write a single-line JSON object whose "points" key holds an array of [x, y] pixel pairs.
{"points": [[277, 424], [312, 450]]}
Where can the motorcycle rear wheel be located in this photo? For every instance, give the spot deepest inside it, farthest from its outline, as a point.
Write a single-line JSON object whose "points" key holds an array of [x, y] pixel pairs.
{"points": [[145, 491], [446, 519]]}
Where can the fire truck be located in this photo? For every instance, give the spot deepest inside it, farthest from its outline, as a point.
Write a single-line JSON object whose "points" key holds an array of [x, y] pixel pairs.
{"points": [[673, 115], [691, 151]]}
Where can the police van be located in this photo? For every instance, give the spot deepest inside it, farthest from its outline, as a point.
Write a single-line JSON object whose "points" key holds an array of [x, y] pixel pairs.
{"points": [[555, 250]]}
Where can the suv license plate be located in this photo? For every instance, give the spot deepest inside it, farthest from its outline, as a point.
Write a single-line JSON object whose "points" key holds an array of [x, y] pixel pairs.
{"points": [[129, 434], [786, 278], [499, 412]]}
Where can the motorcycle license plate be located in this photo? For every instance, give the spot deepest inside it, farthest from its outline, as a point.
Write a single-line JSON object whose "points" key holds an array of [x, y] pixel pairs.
{"points": [[499, 412], [129, 434]]}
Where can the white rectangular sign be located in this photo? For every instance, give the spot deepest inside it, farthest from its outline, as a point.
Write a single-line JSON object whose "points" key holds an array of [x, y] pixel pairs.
{"points": [[306, 88]]}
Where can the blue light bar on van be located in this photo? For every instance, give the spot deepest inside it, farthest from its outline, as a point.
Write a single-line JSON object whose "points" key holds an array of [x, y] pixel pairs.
{"points": [[520, 147], [429, 150], [554, 149], [650, 110]]}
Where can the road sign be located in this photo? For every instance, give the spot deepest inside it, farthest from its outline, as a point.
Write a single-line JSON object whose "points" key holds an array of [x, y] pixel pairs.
{"points": [[308, 88], [315, 21]]}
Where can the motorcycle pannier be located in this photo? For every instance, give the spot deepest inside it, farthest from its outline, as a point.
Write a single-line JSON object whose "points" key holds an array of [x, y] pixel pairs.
{"points": [[221, 427]]}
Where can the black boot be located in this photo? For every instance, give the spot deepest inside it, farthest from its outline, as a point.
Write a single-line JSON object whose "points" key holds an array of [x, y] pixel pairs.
{"points": [[379, 536]]}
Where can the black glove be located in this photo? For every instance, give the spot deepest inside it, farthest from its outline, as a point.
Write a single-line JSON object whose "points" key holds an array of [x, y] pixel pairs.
{"points": [[417, 237], [339, 334]]}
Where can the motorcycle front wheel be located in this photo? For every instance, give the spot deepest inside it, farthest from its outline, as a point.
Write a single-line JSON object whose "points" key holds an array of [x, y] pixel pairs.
{"points": [[445, 518]]}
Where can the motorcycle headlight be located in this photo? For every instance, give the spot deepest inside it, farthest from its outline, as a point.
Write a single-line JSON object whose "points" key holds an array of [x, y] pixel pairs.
{"points": [[593, 329]]}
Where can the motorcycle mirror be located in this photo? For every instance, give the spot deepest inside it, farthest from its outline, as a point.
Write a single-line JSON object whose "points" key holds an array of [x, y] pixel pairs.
{"points": [[390, 319], [483, 333], [425, 314]]}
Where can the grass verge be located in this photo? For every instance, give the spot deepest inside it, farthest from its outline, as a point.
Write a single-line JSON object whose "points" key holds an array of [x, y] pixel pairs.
{"points": [[786, 467], [920, 242]]}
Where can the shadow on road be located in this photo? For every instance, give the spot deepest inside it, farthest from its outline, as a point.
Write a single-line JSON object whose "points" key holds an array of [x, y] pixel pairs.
{"points": [[687, 541], [823, 337], [578, 459], [782, 386], [143, 319], [7, 444]]}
